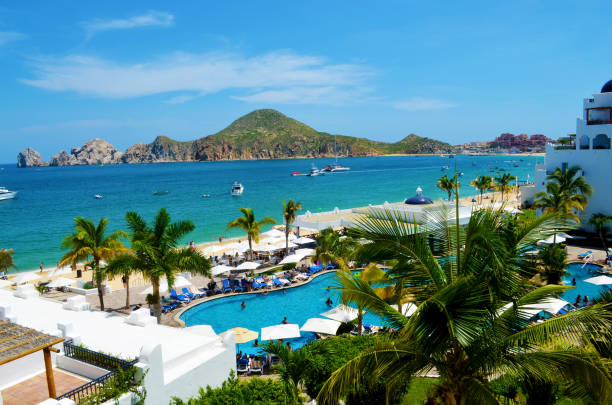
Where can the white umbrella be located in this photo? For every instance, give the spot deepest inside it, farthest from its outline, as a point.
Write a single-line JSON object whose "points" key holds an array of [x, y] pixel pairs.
{"points": [[291, 259], [550, 305], [282, 245], [551, 239], [305, 252], [407, 309], [61, 282], [292, 237], [179, 282], [341, 313], [564, 235], [282, 331], [599, 280], [220, 269], [63, 270], [211, 249], [25, 277], [320, 325], [274, 233], [512, 210], [248, 266], [304, 240]]}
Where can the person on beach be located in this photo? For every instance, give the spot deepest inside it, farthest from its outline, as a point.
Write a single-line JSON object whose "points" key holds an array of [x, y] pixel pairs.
{"points": [[41, 267], [285, 321]]}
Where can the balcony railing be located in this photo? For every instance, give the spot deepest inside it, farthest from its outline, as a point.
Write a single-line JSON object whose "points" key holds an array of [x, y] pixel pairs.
{"points": [[565, 147], [92, 357]]}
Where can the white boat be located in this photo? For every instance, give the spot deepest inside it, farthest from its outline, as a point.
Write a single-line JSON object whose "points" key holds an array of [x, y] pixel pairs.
{"points": [[98, 196], [237, 188], [335, 167], [6, 194], [314, 172]]}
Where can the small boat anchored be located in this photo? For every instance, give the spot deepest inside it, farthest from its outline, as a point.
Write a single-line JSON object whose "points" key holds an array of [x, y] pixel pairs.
{"points": [[335, 167], [161, 192], [314, 172], [98, 196], [6, 194], [237, 189]]}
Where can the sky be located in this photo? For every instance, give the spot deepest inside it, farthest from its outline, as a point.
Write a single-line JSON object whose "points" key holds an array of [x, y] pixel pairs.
{"points": [[454, 71]]}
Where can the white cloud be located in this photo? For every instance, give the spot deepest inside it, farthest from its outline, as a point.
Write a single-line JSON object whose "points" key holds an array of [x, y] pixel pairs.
{"points": [[330, 95], [180, 99], [10, 36], [79, 124], [422, 104], [273, 76], [149, 19]]}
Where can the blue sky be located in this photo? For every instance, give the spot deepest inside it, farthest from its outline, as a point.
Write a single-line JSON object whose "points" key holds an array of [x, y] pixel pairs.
{"points": [[455, 71]]}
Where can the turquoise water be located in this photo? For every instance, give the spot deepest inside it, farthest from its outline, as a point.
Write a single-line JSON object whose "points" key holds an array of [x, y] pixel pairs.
{"points": [[297, 304], [34, 223], [580, 273]]}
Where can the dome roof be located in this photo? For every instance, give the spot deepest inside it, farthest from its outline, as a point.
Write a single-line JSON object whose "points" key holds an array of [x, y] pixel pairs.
{"points": [[607, 88], [418, 199]]}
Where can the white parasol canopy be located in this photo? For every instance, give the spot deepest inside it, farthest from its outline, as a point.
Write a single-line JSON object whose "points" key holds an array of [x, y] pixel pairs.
{"points": [[552, 239], [599, 280], [341, 313], [550, 305], [220, 269], [512, 210], [295, 258], [63, 270], [248, 266], [61, 282], [305, 252], [407, 309], [25, 277], [179, 282], [292, 237], [304, 240], [274, 233], [282, 331], [320, 325]]}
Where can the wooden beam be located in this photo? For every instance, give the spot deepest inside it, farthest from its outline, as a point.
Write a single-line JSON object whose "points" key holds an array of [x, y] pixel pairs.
{"points": [[49, 372], [30, 351]]}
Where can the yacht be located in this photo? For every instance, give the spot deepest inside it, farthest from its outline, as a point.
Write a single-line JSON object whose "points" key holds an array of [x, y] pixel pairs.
{"points": [[237, 188], [7, 194], [335, 167], [98, 196], [314, 172]]}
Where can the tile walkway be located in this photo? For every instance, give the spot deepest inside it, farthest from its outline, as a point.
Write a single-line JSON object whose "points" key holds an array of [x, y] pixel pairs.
{"points": [[34, 390]]}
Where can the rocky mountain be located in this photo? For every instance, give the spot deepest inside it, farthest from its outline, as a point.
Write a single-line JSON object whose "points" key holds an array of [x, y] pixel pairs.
{"points": [[261, 134]]}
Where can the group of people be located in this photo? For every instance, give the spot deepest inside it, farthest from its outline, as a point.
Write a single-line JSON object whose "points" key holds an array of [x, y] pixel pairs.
{"points": [[585, 301]]}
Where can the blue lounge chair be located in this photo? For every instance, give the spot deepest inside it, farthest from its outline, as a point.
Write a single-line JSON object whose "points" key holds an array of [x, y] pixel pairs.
{"points": [[236, 285], [585, 254], [244, 285], [242, 366], [256, 285], [177, 297], [277, 282], [226, 286], [261, 282], [189, 293]]}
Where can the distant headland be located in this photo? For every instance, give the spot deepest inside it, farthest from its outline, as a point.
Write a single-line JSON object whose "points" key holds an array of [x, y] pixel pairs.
{"points": [[261, 134]]}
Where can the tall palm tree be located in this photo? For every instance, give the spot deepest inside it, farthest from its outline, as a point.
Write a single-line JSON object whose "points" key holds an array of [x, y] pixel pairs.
{"points": [[502, 183], [91, 242], [6, 260], [470, 325], [482, 183], [248, 223], [290, 369], [600, 222], [156, 253], [447, 184], [290, 210], [566, 192]]}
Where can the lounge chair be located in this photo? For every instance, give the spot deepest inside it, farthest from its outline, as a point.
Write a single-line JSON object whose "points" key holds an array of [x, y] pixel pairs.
{"points": [[244, 285], [177, 297], [226, 286], [188, 294], [277, 282], [256, 285], [256, 366], [585, 254], [261, 282], [242, 366], [236, 285]]}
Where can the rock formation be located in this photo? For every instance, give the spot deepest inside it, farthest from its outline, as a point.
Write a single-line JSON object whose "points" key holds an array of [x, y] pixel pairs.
{"points": [[94, 152], [30, 158]]}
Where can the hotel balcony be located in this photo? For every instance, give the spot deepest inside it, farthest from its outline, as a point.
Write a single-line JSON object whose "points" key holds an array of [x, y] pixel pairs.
{"points": [[599, 116]]}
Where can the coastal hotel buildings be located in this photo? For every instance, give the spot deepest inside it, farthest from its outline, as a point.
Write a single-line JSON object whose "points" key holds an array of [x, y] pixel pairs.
{"points": [[588, 148]]}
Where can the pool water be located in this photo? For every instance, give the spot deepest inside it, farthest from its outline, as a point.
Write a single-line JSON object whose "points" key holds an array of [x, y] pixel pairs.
{"points": [[297, 304], [580, 273]]}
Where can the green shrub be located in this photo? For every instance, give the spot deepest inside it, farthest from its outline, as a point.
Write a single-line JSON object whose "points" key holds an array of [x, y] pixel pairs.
{"points": [[89, 286], [289, 266], [234, 391], [554, 260]]}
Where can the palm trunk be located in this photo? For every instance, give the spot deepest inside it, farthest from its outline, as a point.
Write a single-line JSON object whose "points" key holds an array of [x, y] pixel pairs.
{"points": [[250, 247], [449, 194], [156, 306], [360, 319], [127, 291], [603, 241], [286, 241], [98, 276]]}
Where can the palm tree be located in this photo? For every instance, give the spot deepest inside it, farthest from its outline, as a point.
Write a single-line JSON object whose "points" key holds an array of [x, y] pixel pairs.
{"points": [[554, 260], [502, 183], [291, 367], [248, 223], [566, 192], [447, 184], [482, 183], [90, 241], [155, 252], [469, 325], [600, 222], [124, 273], [290, 210], [6, 260]]}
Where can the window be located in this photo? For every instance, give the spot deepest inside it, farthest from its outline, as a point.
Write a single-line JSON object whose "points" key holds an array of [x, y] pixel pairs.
{"points": [[601, 141], [585, 142]]}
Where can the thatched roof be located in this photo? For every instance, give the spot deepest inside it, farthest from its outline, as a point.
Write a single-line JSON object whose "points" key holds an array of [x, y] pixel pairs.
{"points": [[18, 341]]}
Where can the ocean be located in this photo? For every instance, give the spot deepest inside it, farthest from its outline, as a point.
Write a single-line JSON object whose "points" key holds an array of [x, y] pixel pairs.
{"points": [[49, 198]]}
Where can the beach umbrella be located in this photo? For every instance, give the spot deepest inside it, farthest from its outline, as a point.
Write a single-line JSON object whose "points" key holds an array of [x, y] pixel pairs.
{"points": [[220, 269], [550, 305], [274, 233], [282, 331], [61, 282], [599, 280], [25, 277], [305, 252], [248, 266], [407, 309], [295, 258], [512, 210], [242, 335], [62, 271], [320, 325], [341, 313], [292, 237], [179, 282], [551, 239], [282, 245], [304, 240]]}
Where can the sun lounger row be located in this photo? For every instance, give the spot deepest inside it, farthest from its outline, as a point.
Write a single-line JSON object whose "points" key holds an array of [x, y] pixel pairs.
{"points": [[250, 366]]}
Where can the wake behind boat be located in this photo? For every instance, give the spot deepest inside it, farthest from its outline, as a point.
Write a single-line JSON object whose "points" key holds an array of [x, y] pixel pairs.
{"points": [[6, 194]]}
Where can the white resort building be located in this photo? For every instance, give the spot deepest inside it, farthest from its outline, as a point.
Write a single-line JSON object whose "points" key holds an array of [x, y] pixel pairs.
{"points": [[173, 361], [589, 148]]}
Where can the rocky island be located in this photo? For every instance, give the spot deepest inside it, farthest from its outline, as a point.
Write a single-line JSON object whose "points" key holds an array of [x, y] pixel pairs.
{"points": [[261, 134]]}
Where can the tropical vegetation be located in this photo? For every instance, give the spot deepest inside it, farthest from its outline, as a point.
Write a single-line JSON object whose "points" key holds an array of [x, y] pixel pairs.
{"points": [[6, 260], [155, 252], [482, 184], [566, 192], [290, 210], [502, 183], [248, 223], [448, 184], [469, 325], [553, 259], [600, 222], [89, 242]]}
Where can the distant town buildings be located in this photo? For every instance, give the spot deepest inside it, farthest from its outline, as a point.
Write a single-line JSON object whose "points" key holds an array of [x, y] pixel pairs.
{"points": [[508, 143]]}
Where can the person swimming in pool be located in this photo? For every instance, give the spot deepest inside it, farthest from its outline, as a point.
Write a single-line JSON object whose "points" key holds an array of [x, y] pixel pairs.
{"points": [[243, 305], [329, 302], [285, 321]]}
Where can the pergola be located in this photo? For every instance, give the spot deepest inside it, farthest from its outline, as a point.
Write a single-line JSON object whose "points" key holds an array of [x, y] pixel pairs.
{"points": [[17, 341]]}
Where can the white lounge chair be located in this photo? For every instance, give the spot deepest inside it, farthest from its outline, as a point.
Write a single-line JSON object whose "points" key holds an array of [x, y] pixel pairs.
{"points": [[256, 366]]}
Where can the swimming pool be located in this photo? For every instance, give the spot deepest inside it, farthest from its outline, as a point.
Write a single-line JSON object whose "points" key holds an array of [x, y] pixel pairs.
{"points": [[297, 304], [580, 273]]}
